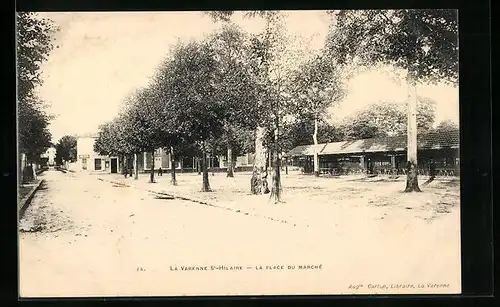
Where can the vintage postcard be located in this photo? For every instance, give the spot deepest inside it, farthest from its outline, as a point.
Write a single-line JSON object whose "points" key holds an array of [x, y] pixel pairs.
{"points": [[209, 153]]}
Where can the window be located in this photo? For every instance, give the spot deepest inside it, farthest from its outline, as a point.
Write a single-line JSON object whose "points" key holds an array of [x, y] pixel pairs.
{"points": [[97, 164]]}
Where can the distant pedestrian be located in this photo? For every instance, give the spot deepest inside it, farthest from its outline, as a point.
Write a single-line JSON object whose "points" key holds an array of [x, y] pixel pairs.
{"points": [[160, 172], [432, 169]]}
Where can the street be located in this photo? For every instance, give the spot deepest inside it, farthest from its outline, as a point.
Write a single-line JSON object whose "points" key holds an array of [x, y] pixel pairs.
{"points": [[86, 237]]}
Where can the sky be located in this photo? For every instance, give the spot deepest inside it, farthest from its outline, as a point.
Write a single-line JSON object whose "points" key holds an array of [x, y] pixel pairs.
{"points": [[102, 57]]}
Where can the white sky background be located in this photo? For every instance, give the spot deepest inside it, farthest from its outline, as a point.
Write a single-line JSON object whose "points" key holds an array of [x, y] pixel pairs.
{"points": [[102, 57]]}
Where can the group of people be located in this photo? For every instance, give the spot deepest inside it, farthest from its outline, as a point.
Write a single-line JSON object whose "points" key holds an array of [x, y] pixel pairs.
{"points": [[130, 172]]}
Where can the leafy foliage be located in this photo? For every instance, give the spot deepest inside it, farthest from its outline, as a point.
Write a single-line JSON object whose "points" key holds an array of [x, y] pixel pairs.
{"points": [[446, 126], [33, 45], [299, 133], [225, 16], [66, 149], [107, 139], [34, 42], [387, 119], [34, 135], [423, 41], [315, 86], [190, 79], [140, 124]]}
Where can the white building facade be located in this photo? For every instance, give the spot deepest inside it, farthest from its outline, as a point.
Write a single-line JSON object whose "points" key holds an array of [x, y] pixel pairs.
{"points": [[50, 155], [91, 161]]}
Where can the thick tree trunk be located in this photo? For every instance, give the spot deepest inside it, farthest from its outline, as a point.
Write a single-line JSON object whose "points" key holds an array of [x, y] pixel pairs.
{"points": [[412, 178], [265, 174], [316, 155], [256, 183], [136, 168], [152, 174], [206, 185], [230, 172], [172, 159], [276, 186]]}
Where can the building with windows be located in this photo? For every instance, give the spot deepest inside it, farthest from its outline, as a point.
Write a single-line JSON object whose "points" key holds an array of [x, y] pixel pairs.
{"points": [[382, 155], [89, 160]]}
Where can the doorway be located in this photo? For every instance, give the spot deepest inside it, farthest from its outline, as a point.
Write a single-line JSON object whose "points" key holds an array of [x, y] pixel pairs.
{"points": [[114, 166]]}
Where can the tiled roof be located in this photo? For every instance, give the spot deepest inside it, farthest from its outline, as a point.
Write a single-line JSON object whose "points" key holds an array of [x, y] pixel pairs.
{"points": [[305, 150], [433, 140]]}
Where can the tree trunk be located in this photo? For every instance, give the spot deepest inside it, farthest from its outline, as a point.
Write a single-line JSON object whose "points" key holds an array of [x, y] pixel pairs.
{"points": [[230, 172], [412, 178], [172, 159], [21, 170], [265, 184], [316, 155], [256, 182], [152, 174], [136, 168], [206, 185], [127, 157], [33, 170], [198, 166], [276, 189]]}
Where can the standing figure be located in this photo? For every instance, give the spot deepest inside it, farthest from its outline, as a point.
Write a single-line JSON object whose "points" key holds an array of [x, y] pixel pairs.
{"points": [[160, 171], [432, 170]]}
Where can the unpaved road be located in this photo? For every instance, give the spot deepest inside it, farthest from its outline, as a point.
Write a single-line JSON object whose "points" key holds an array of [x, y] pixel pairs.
{"points": [[95, 239]]}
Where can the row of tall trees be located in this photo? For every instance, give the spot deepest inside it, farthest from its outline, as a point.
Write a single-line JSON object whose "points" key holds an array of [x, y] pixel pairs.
{"points": [[205, 93], [230, 92], [34, 37]]}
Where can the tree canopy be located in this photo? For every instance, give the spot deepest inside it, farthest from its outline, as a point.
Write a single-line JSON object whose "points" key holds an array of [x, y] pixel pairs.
{"points": [[388, 119], [66, 149], [33, 132], [446, 126], [34, 37], [423, 41], [34, 42]]}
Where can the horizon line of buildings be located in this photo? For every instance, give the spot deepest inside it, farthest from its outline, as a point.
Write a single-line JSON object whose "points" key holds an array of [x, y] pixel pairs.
{"points": [[89, 160], [378, 155]]}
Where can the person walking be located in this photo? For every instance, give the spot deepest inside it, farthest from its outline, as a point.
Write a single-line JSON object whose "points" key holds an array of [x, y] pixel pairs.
{"points": [[160, 172]]}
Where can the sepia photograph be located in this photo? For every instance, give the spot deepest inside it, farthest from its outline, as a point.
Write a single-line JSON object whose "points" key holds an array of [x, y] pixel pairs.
{"points": [[238, 153]]}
